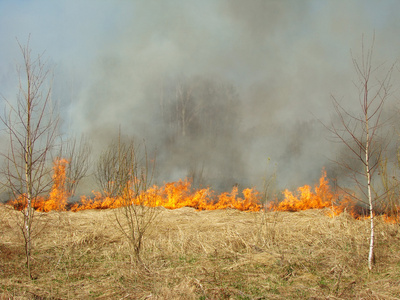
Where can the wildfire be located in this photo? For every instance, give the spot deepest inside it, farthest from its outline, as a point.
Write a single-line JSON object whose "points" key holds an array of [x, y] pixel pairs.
{"points": [[179, 194], [175, 195], [321, 197], [58, 195]]}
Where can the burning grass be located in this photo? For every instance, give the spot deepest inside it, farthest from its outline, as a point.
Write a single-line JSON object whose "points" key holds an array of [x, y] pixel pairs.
{"points": [[174, 195], [202, 246], [178, 194], [210, 254]]}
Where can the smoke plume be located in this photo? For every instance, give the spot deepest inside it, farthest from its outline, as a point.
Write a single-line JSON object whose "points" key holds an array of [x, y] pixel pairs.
{"points": [[224, 91]]}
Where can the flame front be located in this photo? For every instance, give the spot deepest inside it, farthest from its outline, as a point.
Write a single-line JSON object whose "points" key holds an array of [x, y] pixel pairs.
{"points": [[305, 198], [58, 196], [179, 194], [321, 197]]}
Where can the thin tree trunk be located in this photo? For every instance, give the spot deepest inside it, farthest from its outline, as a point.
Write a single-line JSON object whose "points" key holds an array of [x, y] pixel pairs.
{"points": [[33, 132], [371, 211], [371, 254], [360, 134], [368, 173], [28, 182]]}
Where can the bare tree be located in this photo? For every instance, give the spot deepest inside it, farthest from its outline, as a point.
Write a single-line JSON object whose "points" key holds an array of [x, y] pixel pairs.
{"points": [[180, 107], [200, 113], [113, 168], [125, 173], [139, 209], [77, 154], [362, 132], [200, 106], [32, 130]]}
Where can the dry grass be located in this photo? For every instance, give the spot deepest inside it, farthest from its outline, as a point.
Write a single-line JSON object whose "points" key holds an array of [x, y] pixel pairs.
{"points": [[223, 254]]}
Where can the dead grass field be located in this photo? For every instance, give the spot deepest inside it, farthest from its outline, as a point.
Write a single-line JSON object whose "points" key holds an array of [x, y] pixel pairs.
{"points": [[220, 254]]}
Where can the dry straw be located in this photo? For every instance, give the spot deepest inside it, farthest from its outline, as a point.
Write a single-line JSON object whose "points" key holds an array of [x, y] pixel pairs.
{"points": [[221, 254]]}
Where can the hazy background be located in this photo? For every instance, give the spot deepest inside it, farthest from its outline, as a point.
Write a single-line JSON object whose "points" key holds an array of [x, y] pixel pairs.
{"points": [[252, 77]]}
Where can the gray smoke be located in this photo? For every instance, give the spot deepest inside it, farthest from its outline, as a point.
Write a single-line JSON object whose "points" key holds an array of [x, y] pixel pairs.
{"points": [[258, 76]]}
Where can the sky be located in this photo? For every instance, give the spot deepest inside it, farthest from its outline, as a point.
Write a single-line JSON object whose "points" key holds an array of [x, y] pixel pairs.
{"points": [[285, 59]]}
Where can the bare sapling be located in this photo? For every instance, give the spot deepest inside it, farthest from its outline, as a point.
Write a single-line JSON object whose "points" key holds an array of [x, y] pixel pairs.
{"points": [[361, 132], [77, 153], [31, 126], [126, 173]]}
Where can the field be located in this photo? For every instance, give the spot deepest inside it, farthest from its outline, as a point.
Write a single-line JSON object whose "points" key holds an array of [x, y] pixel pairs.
{"points": [[189, 254]]}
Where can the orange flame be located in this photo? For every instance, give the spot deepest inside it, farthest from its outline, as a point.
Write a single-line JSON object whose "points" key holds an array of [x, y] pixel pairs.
{"points": [[321, 197], [21, 202], [58, 196], [179, 194], [305, 198], [175, 195]]}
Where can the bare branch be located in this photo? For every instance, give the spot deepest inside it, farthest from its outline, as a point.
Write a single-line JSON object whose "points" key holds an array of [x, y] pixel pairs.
{"points": [[32, 132], [361, 134]]}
